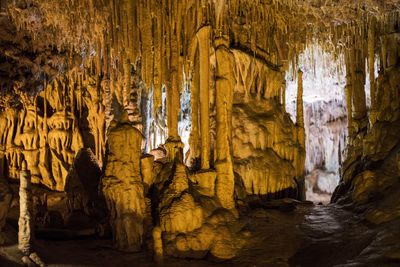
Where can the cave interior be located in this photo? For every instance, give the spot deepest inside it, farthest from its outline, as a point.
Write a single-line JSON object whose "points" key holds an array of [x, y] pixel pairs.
{"points": [[199, 132]]}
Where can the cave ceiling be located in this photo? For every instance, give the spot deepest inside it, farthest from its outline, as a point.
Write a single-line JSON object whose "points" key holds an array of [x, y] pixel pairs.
{"points": [[42, 39]]}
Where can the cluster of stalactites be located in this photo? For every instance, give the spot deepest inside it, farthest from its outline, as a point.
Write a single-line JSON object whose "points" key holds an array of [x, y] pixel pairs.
{"points": [[364, 42], [159, 34], [114, 38]]}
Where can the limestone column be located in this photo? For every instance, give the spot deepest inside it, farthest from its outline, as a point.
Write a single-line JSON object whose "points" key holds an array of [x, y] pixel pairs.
{"points": [[173, 103], [173, 144], [359, 108], [299, 159], [194, 102], [299, 109], [371, 68], [25, 222], [349, 106], [203, 37], [224, 94], [284, 95]]}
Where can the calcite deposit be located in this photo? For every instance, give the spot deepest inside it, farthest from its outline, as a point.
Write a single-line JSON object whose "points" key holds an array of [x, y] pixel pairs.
{"points": [[26, 217], [167, 122]]}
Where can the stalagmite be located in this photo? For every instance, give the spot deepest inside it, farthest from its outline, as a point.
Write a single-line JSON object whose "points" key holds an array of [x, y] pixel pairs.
{"points": [[203, 37], [123, 186], [26, 219]]}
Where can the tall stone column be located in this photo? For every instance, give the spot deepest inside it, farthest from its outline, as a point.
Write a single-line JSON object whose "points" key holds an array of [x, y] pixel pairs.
{"points": [[194, 141], [173, 103], [25, 222], [348, 92], [359, 111], [224, 96], [300, 155], [299, 109], [173, 144], [371, 68], [203, 37]]}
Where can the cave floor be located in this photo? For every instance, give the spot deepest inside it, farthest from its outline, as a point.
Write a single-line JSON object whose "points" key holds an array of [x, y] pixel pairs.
{"points": [[309, 235]]}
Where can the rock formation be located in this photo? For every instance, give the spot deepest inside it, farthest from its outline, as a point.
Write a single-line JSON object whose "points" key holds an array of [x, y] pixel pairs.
{"points": [[123, 186], [26, 219]]}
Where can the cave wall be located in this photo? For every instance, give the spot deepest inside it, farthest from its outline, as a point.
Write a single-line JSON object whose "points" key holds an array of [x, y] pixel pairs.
{"points": [[370, 172]]}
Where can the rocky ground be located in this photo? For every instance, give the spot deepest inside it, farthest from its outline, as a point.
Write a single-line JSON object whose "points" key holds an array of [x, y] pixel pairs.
{"points": [[280, 233]]}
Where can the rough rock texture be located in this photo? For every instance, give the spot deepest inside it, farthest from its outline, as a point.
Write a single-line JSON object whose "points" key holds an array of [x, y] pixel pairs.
{"points": [[123, 186]]}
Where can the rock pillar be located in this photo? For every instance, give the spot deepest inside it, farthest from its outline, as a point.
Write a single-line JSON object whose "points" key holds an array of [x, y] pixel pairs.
{"points": [[299, 109], [224, 95], [371, 68], [299, 157], [25, 222], [203, 37], [357, 66], [173, 101]]}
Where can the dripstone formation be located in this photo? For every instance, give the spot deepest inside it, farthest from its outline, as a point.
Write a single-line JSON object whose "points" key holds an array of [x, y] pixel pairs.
{"points": [[26, 219]]}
